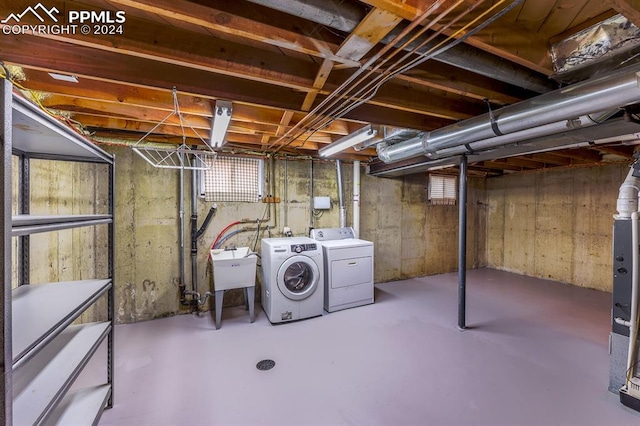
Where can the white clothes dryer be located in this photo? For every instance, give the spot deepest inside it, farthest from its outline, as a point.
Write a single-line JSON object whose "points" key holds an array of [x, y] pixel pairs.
{"points": [[348, 268], [292, 278]]}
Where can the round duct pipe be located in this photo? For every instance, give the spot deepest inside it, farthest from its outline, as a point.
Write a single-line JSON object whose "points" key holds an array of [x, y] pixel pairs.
{"points": [[607, 92]]}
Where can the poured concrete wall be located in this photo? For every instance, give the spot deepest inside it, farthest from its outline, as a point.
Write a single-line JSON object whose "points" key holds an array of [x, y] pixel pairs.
{"points": [[58, 188], [412, 238], [555, 224]]}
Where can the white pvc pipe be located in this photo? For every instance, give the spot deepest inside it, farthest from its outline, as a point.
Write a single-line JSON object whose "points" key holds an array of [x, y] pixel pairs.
{"points": [[620, 321], [633, 330], [356, 198], [628, 196]]}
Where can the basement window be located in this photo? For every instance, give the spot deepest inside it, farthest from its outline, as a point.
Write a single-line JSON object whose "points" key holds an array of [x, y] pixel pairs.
{"points": [[442, 190], [233, 179]]}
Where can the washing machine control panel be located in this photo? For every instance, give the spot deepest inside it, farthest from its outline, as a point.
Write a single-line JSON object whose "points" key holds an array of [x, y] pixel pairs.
{"points": [[299, 248]]}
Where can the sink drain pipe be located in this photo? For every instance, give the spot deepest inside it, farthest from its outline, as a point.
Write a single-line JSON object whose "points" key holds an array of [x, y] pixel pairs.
{"points": [[195, 235]]}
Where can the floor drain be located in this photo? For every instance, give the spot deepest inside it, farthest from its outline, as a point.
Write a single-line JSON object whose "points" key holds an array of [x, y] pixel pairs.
{"points": [[265, 364]]}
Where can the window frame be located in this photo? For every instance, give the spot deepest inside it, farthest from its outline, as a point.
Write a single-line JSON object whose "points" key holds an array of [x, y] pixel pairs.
{"points": [[446, 180], [239, 198]]}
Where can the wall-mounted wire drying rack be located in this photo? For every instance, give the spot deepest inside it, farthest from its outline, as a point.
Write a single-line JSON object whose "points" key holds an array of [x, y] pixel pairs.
{"points": [[179, 157]]}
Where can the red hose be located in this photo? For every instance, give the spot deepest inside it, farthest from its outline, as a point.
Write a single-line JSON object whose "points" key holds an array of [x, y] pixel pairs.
{"points": [[221, 234]]}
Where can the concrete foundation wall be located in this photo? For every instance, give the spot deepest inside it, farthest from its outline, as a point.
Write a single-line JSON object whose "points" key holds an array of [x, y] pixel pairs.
{"points": [[411, 237], [548, 224], [59, 188], [555, 224]]}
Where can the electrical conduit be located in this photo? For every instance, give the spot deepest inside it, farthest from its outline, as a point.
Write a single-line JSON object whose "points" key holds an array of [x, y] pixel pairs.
{"points": [[343, 210], [356, 198]]}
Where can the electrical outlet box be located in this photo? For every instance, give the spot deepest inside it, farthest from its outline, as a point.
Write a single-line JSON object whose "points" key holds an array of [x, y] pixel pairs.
{"points": [[321, 203]]}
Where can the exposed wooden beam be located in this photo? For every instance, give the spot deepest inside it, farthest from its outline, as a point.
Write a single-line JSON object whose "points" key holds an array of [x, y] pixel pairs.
{"points": [[629, 8], [582, 26], [284, 123], [104, 91], [522, 162], [499, 166], [407, 9], [408, 97], [625, 151], [152, 41], [109, 97], [505, 39], [580, 155], [123, 111], [440, 76], [549, 158], [51, 55], [490, 172], [223, 22], [83, 61], [373, 28], [321, 78]]}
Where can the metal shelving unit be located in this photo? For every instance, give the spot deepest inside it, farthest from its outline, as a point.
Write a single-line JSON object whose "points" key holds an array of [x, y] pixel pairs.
{"points": [[41, 352]]}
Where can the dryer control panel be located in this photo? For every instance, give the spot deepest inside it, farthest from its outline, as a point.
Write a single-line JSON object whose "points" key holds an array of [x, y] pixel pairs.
{"points": [[329, 234]]}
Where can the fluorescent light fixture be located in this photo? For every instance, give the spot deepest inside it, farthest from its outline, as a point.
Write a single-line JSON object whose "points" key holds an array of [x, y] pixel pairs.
{"points": [[64, 77], [221, 120], [359, 136]]}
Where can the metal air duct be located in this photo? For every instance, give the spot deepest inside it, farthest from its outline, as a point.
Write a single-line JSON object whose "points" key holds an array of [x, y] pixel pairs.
{"points": [[562, 108]]}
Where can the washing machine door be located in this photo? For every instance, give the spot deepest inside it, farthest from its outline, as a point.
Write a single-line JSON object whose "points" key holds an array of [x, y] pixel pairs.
{"points": [[298, 277]]}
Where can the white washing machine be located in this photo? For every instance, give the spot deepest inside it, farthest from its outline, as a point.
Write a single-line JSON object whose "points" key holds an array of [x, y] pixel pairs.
{"points": [[292, 278], [348, 268]]}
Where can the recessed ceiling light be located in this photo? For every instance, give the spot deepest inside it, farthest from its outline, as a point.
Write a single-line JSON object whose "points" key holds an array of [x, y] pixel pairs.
{"points": [[64, 77]]}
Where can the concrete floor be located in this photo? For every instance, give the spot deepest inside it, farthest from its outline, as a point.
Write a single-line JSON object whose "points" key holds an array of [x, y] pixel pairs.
{"points": [[536, 354]]}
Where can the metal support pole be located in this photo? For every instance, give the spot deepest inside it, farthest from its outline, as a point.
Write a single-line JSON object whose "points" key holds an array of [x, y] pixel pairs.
{"points": [[462, 245]]}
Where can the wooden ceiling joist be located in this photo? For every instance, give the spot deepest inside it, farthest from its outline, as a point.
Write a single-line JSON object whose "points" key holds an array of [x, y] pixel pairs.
{"points": [[224, 22]]}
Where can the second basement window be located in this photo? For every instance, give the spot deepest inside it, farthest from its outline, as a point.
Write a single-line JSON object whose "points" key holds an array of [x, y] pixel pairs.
{"points": [[442, 190], [233, 179]]}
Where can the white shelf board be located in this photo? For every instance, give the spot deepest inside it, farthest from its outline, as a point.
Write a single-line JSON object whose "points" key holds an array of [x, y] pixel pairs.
{"points": [[44, 380], [36, 132], [80, 407], [41, 311]]}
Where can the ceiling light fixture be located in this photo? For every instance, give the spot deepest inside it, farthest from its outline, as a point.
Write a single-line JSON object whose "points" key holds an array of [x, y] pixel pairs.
{"points": [[359, 136], [63, 77], [221, 120]]}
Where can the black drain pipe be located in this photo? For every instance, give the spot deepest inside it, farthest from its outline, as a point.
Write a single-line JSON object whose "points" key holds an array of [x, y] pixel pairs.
{"points": [[462, 245], [195, 235]]}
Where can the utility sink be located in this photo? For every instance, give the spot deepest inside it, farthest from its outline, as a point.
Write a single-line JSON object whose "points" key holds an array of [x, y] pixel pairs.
{"points": [[233, 268]]}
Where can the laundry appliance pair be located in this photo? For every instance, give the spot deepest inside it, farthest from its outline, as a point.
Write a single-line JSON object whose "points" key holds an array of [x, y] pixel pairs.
{"points": [[303, 276]]}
